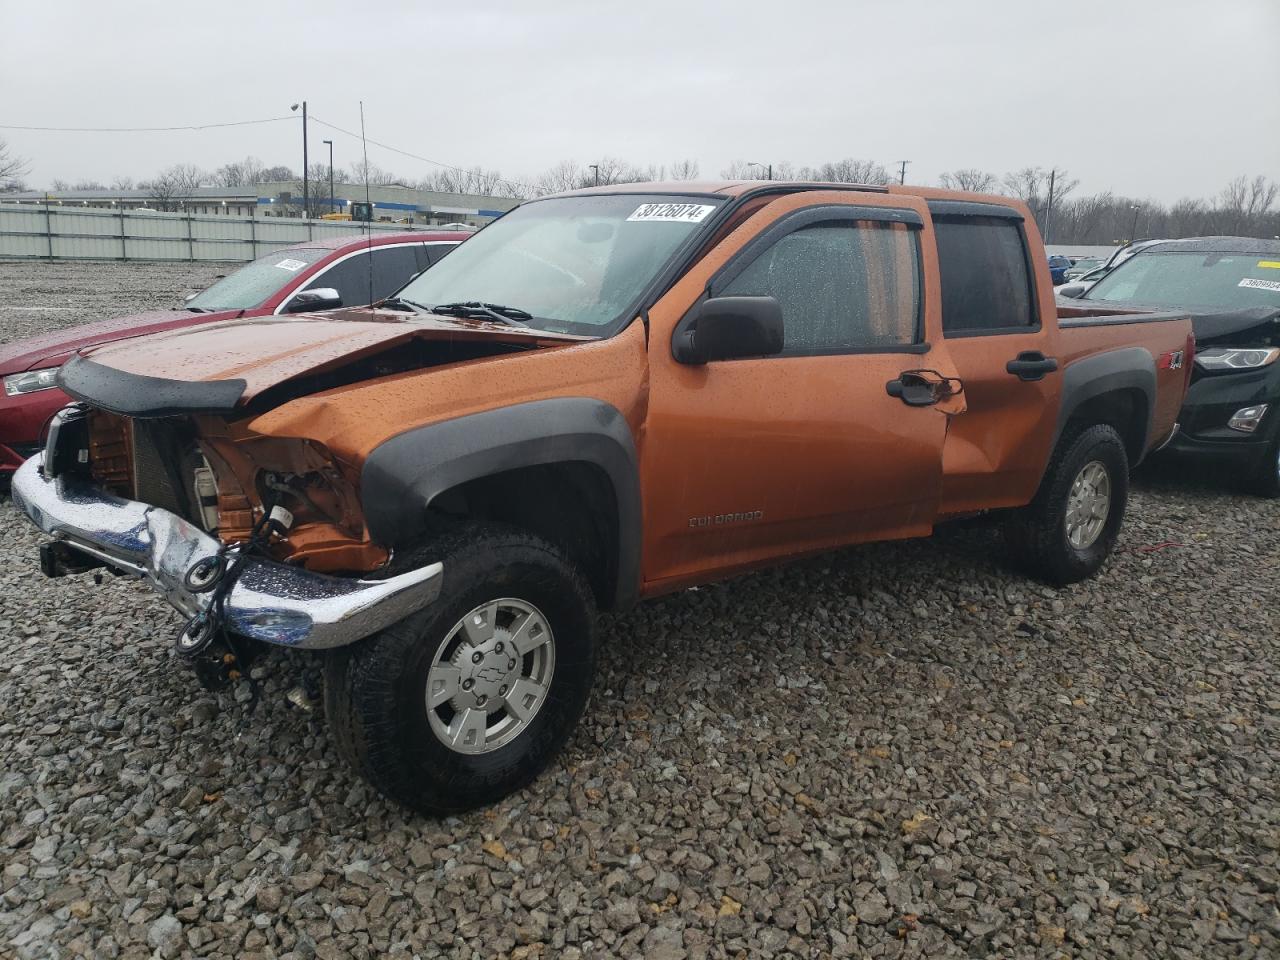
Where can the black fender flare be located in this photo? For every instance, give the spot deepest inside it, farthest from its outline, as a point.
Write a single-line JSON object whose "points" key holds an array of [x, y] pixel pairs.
{"points": [[402, 475], [1128, 368]]}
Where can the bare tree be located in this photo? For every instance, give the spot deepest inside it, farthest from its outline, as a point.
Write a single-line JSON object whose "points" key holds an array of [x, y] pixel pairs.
{"points": [[1243, 203], [240, 173], [173, 184], [846, 171], [375, 175], [971, 179], [318, 189], [12, 168], [122, 183], [748, 170], [59, 185], [277, 174], [475, 180], [89, 185], [684, 170]]}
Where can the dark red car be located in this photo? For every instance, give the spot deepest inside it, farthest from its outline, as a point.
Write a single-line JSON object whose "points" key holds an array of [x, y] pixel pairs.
{"points": [[316, 275]]}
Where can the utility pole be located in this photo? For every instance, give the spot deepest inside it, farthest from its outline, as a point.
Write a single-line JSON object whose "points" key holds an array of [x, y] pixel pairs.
{"points": [[1048, 211], [306, 181], [595, 171], [902, 171], [1133, 230], [330, 143], [768, 168]]}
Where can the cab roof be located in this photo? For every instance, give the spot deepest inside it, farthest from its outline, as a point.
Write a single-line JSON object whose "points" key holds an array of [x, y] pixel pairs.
{"points": [[738, 188]]}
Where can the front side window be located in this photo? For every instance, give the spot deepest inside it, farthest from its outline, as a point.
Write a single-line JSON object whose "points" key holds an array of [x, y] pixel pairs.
{"points": [[1193, 279], [253, 284], [577, 264], [985, 282], [843, 285]]}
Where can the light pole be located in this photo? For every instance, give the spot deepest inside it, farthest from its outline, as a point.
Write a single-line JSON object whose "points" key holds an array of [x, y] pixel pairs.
{"points": [[306, 182], [595, 171], [330, 143], [1133, 230], [767, 166], [902, 171]]}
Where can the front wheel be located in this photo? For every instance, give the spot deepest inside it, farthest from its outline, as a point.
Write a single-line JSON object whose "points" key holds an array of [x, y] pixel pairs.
{"points": [[1067, 532], [468, 700]]}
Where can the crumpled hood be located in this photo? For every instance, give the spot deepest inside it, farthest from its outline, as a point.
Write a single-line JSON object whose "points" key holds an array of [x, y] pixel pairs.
{"points": [[215, 368], [51, 349]]}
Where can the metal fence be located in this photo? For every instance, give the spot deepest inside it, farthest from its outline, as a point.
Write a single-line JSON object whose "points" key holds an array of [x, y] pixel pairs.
{"points": [[52, 232]]}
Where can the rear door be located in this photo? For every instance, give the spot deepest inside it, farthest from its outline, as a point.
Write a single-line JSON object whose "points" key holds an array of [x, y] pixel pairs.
{"points": [[746, 461], [1001, 334]]}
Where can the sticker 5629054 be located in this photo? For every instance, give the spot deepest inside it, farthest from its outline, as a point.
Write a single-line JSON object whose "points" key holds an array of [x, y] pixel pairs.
{"points": [[672, 212], [291, 265], [1260, 284]]}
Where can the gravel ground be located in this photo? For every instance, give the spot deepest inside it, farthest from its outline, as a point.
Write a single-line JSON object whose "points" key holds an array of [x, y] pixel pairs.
{"points": [[897, 750]]}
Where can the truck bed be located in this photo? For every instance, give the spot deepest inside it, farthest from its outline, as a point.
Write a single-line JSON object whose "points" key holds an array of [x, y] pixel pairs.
{"points": [[1078, 316]]}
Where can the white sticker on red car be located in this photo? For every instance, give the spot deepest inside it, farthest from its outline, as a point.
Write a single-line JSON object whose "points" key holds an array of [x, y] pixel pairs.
{"points": [[1260, 284], [671, 212], [291, 265]]}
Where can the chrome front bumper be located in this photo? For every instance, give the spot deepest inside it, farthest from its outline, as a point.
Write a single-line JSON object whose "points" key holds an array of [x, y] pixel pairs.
{"points": [[269, 601]]}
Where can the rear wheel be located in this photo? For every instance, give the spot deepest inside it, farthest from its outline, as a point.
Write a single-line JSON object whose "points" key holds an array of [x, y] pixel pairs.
{"points": [[1067, 532], [468, 700]]}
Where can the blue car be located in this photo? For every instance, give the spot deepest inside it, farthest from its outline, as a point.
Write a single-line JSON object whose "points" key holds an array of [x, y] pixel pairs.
{"points": [[1058, 267]]}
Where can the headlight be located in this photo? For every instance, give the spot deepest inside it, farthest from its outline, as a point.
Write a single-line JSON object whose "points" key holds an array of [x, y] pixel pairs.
{"points": [[30, 382], [1237, 358]]}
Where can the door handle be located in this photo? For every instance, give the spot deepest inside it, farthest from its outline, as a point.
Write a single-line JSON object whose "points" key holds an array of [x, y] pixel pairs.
{"points": [[922, 388], [1031, 365]]}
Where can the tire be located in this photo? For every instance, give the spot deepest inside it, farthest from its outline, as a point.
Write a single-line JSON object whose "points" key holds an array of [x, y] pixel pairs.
{"points": [[1265, 477], [1038, 534], [376, 691]]}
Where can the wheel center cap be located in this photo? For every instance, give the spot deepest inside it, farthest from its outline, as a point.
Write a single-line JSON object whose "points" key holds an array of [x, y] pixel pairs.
{"points": [[488, 673]]}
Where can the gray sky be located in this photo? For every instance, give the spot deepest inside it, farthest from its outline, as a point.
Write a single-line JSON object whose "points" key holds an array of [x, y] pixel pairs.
{"points": [[1150, 98]]}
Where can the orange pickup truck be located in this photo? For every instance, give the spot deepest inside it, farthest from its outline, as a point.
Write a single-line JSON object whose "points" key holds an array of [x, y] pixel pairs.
{"points": [[603, 396]]}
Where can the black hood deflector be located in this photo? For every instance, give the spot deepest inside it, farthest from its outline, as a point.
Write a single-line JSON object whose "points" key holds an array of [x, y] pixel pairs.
{"points": [[135, 395]]}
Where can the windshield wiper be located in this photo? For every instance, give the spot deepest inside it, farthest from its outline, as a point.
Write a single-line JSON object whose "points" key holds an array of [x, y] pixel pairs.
{"points": [[399, 303], [512, 316]]}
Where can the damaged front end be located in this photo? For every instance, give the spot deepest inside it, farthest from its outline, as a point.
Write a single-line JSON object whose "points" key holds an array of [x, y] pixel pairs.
{"points": [[239, 533]]}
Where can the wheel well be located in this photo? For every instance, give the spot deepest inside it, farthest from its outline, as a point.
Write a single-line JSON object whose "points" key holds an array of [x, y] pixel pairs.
{"points": [[570, 504], [1124, 410]]}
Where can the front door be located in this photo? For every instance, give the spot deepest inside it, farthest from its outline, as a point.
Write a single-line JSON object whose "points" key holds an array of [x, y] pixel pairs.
{"points": [[745, 461]]}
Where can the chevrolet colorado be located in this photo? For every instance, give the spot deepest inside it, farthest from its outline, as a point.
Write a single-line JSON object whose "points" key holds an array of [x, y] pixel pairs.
{"points": [[603, 396]]}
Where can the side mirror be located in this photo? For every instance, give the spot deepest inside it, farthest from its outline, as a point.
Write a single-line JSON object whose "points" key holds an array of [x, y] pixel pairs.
{"points": [[729, 328], [1073, 291], [317, 298]]}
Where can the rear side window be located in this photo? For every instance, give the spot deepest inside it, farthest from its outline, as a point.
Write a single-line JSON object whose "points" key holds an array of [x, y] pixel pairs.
{"points": [[986, 285], [843, 286]]}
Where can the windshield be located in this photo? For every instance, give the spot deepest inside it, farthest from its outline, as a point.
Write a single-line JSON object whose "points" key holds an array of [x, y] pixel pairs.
{"points": [[1173, 279], [253, 283], [577, 264]]}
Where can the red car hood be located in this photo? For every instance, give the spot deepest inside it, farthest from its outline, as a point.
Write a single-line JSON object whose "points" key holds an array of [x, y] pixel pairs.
{"points": [[53, 348]]}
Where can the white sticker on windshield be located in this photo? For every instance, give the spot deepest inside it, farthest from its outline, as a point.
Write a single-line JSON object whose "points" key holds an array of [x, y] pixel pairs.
{"points": [[672, 212], [291, 265], [1259, 284]]}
